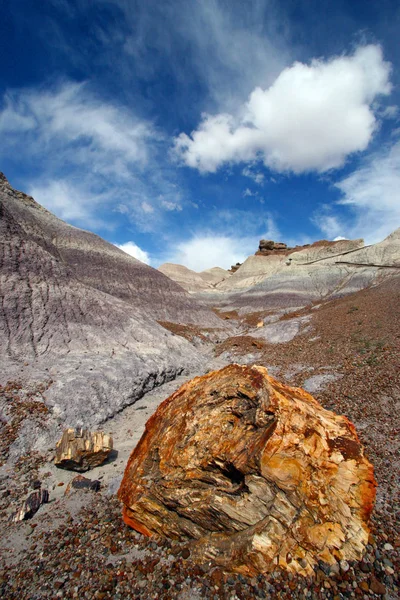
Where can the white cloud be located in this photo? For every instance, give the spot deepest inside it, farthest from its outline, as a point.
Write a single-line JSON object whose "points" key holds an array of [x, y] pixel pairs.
{"points": [[88, 156], [171, 205], [330, 224], [147, 208], [75, 121], [207, 251], [373, 194], [68, 202], [311, 118], [256, 176], [233, 46], [339, 238], [133, 250], [216, 248]]}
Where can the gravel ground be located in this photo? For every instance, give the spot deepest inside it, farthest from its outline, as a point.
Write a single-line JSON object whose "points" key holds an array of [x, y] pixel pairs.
{"points": [[78, 546]]}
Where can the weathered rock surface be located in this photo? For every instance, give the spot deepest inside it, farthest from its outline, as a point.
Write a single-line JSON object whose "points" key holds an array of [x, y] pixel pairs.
{"points": [[214, 276], [80, 314], [81, 450], [267, 247], [253, 473]]}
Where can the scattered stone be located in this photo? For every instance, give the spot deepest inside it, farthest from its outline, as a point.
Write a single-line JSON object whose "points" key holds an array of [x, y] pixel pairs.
{"points": [[83, 483], [81, 449], [31, 505], [255, 471], [388, 546], [377, 587]]}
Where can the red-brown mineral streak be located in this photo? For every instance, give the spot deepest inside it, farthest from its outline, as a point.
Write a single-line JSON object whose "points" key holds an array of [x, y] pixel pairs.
{"points": [[254, 473]]}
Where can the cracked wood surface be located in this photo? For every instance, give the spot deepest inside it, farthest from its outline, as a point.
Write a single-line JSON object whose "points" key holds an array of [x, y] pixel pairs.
{"points": [[253, 473]]}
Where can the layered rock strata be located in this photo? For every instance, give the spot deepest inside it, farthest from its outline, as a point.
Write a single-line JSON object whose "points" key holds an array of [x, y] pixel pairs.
{"points": [[254, 474], [81, 315]]}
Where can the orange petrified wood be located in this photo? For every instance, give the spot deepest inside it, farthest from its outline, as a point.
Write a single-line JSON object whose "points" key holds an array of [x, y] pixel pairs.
{"points": [[253, 473]]}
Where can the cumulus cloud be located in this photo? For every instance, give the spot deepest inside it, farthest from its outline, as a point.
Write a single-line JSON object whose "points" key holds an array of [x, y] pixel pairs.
{"points": [[311, 118], [223, 248], [133, 250], [205, 251]]}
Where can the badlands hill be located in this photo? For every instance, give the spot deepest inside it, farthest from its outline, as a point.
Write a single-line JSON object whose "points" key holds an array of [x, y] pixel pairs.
{"points": [[292, 278], [192, 281], [73, 305]]}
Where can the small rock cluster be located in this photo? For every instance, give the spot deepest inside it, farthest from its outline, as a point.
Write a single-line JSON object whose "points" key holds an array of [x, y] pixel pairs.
{"points": [[93, 555]]}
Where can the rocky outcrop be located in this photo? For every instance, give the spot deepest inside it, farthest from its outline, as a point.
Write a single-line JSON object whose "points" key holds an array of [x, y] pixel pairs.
{"points": [[81, 450], [268, 247], [235, 267], [318, 272], [252, 473], [214, 276], [99, 264]]}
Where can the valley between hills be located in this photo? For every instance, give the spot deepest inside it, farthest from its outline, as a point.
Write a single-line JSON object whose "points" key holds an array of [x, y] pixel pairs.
{"points": [[92, 338]]}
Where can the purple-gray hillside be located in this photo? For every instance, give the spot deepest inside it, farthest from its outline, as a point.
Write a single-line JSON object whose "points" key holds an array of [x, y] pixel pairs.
{"points": [[101, 265], [79, 312]]}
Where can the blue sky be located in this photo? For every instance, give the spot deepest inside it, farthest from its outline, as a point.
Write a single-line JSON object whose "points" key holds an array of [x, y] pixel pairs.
{"points": [[187, 130]]}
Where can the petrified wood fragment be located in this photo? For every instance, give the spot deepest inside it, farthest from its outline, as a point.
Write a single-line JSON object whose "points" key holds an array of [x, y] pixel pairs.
{"points": [[255, 473], [31, 505], [81, 450], [83, 483]]}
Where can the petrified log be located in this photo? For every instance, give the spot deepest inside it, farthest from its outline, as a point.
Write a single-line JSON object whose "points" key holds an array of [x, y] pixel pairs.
{"points": [[81, 449], [254, 473], [31, 505]]}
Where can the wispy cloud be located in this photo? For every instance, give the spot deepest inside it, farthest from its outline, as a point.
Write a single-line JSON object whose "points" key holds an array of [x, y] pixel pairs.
{"points": [[331, 224], [310, 119], [256, 176], [372, 193], [230, 47], [89, 156]]}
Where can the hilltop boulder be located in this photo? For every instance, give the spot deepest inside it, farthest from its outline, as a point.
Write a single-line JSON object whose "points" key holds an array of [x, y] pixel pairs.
{"points": [[252, 473]]}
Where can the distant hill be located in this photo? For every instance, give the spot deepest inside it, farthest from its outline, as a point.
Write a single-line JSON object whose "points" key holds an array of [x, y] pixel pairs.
{"points": [[280, 277]]}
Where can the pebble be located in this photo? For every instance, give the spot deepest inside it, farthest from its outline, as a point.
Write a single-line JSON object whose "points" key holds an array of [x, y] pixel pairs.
{"points": [[344, 566], [388, 546]]}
